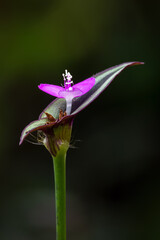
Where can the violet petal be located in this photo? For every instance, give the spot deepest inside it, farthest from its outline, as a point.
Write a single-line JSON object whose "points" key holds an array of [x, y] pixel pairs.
{"points": [[85, 85], [51, 89]]}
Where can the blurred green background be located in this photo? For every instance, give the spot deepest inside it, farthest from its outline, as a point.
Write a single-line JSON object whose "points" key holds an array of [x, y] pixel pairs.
{"points": [[113, 169]]}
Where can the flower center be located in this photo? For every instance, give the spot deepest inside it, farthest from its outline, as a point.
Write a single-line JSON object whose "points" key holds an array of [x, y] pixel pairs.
{"points": [[70, 92], [67, 81]]}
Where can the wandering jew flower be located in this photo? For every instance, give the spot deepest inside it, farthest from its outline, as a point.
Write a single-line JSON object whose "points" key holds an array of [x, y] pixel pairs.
{"points": [[55, 125], [69, 91], [70, 100]]}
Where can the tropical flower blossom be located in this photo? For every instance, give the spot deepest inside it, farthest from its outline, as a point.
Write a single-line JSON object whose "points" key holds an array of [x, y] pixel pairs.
{"points": [[69, 91]]}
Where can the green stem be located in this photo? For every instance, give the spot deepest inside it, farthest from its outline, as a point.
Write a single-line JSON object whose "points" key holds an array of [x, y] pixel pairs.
{"points": [[59, 163]]}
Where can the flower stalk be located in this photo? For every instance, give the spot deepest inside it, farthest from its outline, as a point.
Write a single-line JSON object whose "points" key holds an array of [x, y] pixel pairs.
{"points": [[57, 142], [59, 163]]}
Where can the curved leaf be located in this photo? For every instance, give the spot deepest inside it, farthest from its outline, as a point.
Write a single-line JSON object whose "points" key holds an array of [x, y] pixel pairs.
{"points": [[103, 79], [33, 126]]}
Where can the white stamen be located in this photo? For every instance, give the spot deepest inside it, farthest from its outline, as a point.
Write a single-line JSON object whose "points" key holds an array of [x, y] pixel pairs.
{"points": [[68, 88], [67, 80]]}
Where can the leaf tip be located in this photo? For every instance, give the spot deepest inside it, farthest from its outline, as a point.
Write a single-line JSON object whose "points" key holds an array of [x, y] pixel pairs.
{"points": [[137, 63]]}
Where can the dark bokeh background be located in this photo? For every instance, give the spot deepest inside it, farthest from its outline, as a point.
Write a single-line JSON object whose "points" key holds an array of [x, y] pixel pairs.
{"points": [[113, 173]]}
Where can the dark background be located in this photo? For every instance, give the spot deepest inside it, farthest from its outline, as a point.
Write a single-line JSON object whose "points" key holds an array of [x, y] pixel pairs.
{"points": [[113, 170]]}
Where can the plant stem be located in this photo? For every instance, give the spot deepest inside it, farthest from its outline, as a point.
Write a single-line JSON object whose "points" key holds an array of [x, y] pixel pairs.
{"points": [[59, 163]]}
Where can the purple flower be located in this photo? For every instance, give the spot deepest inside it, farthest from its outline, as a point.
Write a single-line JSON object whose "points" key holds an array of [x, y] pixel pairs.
{"points": [[69, 91]]}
